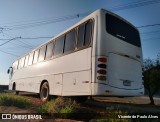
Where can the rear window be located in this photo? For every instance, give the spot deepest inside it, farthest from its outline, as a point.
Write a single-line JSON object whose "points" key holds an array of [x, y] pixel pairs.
{"points": [[122, 30]]}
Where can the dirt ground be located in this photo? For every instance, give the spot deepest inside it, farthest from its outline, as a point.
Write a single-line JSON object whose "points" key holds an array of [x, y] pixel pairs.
{"points": [[99, 104], [136, 100]]}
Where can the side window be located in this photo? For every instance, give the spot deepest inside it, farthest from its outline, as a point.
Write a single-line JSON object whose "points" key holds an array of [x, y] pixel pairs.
{"points": [[16, 65], [70, 41], [88, 33], [42, 53], [49, 50], [30, 58], [19, 64], [59, 46], [81, 30], [22, 62], [35, 59], [26, 61]]}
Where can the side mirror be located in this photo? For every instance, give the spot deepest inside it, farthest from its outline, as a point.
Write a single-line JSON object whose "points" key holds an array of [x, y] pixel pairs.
{"points": [[8, 71]]}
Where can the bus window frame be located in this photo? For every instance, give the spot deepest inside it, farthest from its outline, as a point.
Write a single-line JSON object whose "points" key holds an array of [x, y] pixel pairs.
{"points": [[71, 51], [54, 44], [91, 35]]}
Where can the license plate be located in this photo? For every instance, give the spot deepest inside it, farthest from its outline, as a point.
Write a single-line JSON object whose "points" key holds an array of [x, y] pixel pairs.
{"points": [[126, 83]]}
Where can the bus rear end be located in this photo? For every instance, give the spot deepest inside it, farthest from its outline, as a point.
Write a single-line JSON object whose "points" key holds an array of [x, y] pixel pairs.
{"points": [[118, 67]]}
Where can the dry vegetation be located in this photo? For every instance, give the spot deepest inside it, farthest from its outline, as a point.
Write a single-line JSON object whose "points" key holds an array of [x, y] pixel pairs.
{"points": [[68, 109]]}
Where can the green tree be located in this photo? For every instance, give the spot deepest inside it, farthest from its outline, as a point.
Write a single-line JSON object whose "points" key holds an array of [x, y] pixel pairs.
{"points": [[152, 77]]}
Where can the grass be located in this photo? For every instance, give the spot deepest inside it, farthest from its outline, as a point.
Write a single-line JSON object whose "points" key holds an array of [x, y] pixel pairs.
{"points": [[67, 108], [13, 100], [61, 107]]}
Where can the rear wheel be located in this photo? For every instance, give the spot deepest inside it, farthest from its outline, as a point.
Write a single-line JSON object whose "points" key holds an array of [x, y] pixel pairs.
{"points": [[44, 92]]}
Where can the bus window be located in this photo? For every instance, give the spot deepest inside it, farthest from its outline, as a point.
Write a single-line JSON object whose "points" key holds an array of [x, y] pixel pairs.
{"points": [[69, 41], [26, 61], [22, 62], [19, 64], [81, 30], [35, 59], [88, 33], [49, 50], [15, 66], [42, 53], [59, 46], [30, 60]]}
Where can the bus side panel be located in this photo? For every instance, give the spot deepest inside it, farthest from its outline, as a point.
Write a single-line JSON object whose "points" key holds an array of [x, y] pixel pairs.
{"points": [[78, 82], [29, 84], [57, 85], [78, 63]]}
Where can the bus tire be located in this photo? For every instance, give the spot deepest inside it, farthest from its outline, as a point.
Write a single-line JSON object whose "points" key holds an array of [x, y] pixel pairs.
{"points": [[44, 92]]}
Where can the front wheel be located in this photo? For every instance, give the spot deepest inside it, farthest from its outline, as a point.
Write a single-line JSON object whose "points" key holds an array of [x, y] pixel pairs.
{"points": [[44, 92]]}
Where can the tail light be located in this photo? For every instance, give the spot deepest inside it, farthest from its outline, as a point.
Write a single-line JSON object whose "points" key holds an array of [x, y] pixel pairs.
{"points": [[102, 60], [102, 66], [101, 78], [101, 72]]}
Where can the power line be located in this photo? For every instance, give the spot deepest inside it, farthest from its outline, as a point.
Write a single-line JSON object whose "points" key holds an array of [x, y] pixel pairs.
{"points": [[150, 39], [151, 32], [134, 5], [40, 23], [64, 18], [151, 25], [31, 37], [9, 53], [8, 41], [69, 17], [36, 37], [25, 45]]}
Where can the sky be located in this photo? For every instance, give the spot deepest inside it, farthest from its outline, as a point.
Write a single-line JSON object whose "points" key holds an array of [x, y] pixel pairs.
{"points": [[24, 22]]}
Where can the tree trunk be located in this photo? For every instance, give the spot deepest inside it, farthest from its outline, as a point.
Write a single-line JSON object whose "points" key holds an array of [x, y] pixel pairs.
{"points": [[151, 99], [150, 96]]}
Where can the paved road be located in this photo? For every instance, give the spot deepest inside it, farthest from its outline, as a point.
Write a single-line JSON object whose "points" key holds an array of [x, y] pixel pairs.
{"points": [[136, 100]]}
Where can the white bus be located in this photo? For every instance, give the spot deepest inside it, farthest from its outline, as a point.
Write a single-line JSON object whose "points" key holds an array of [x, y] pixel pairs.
{"points": [[100, 55]]}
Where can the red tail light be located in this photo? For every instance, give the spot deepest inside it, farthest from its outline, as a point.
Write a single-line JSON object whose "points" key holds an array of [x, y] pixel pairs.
{"points": [[101, 71], [102, 59]]}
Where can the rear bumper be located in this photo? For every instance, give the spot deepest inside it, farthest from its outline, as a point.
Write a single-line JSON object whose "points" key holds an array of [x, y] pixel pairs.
{"points": [[125, 92], [107, 90]]}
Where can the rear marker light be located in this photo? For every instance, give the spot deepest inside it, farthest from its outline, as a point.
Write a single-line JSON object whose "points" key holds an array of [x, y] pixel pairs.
{"points": [[102, 66], [101, 71], [101, 77], [102, 59]]}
